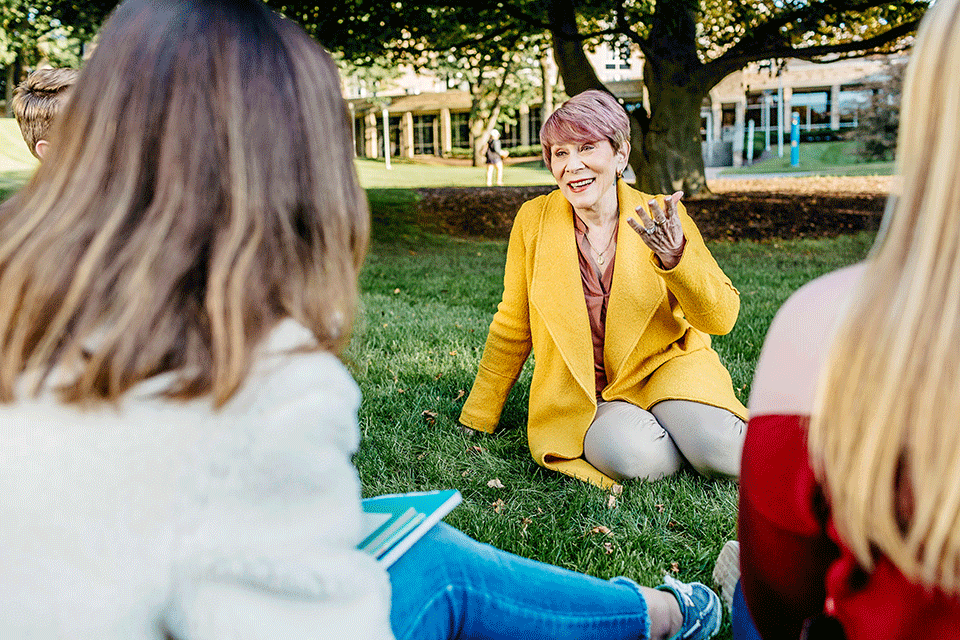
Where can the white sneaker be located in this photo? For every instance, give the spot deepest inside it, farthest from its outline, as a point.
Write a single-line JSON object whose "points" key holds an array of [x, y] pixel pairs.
{"points": [[726, 572]]}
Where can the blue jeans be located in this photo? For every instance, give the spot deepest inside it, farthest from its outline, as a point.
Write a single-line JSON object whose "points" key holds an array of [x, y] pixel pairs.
{"points": [[451, 586], [743, 626]]}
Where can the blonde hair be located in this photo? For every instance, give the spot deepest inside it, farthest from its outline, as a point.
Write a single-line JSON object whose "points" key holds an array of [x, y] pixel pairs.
{"points": [[885, 434], [37, 101], [202, 190]]}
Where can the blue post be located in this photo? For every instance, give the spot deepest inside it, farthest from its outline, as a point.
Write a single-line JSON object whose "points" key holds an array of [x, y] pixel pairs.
{"points": [[795, 141]]}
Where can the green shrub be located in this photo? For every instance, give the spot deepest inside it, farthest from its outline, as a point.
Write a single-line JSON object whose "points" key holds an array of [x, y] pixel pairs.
{"points": [[526, 151], [821, 135], [876, 133]]}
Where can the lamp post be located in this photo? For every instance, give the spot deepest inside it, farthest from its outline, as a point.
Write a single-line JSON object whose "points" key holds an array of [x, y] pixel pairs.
{"points": [[767, 99], [780, 115], [386, 138], [795, 140]]}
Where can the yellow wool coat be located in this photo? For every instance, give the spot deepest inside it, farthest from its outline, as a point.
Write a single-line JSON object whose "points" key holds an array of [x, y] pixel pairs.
{"points": [[656, 348]]}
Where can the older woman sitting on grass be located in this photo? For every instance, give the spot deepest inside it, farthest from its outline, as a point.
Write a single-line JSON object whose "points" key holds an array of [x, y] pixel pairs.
{"points": [[616, 294]]}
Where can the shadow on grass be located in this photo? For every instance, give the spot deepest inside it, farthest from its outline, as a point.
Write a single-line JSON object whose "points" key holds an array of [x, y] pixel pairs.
{"points": [[394, 219]]}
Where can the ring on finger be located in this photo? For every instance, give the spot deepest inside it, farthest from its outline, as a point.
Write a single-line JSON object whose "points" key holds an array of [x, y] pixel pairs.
{"points": [[659, 222], [650, 230]]}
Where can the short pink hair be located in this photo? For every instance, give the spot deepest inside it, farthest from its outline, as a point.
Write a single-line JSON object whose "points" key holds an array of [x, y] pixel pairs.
{"points": [[586, 117]]}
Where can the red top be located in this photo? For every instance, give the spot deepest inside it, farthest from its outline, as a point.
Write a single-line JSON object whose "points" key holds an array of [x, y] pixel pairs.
{"points": [[793, 563]]}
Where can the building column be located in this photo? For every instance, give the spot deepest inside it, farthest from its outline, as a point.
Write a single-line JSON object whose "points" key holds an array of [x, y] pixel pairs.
{"points": [[716, 107], [406, 134], [787, 110], [524, 117], [835, 107], [446, 135], [738, 130], [370, 135], [353, 127]]}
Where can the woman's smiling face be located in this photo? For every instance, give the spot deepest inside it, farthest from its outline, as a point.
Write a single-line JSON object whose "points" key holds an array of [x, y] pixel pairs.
{"points": [[586, 173]]}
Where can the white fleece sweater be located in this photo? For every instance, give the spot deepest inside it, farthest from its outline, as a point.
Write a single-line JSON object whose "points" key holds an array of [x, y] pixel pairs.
{"points": [[157, 516]]}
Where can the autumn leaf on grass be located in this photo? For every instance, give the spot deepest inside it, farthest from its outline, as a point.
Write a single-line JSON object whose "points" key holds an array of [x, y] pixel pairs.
{"points": [[660, 508], [616, 489], [460, 394], [495, 484], [611, 501], [476, 449], [497, 505], [525, 522], [608, 547], [675, 567], [430, 417], [601, 530]]}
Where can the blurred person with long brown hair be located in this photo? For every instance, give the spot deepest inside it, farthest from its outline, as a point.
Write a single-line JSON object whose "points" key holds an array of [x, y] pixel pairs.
{"points": [[850, 488], [176, 281]]}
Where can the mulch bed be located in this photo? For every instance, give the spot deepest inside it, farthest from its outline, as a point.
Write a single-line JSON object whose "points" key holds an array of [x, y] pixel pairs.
{"points": [[729, 215]]}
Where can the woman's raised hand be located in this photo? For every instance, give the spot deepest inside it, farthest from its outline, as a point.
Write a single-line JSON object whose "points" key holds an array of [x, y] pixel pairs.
{"points": [[663, 232]]}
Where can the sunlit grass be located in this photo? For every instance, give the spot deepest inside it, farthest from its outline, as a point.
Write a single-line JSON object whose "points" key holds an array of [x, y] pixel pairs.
{"points": [[413, 173], [824, 158], [427, 305]]}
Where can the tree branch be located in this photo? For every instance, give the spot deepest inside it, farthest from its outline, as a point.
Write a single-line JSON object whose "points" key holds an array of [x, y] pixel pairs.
{"points": [[735, 59], [523, 16], [575, 69], [771, 29]]}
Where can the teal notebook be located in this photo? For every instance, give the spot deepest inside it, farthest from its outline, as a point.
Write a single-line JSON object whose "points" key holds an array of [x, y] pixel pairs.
{"points": [[392, 523]]}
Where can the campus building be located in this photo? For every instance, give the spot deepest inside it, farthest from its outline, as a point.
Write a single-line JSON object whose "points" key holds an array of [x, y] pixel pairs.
{"points": [[423, 117]]}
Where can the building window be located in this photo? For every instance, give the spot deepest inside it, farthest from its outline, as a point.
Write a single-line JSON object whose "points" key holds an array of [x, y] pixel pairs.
{"points": [[460, 130], [509, 135], [394, 136], [762, 109], [536, 121], [850, 102], [423, 127], [813, 107]]}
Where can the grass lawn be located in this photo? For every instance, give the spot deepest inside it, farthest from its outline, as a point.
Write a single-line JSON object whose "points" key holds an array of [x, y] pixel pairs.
{"points": [[16, 162], [426, 305], [824, 158], [411, 174]]}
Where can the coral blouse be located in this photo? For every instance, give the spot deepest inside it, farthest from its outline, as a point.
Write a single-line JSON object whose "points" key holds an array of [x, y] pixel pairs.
{"points": [[596, 291]]}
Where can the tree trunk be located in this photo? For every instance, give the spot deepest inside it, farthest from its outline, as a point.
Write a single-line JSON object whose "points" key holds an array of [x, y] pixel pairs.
{"points": [[666, 153], [671, 157], [483, 118]]}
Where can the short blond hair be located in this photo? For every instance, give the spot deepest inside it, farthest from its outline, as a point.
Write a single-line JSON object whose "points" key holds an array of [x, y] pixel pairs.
{"points": [[884, 436], [590, 116], [37, 101]]}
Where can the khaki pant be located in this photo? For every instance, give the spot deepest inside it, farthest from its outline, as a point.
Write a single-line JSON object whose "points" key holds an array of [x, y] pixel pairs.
{"points": [[625, 441]]}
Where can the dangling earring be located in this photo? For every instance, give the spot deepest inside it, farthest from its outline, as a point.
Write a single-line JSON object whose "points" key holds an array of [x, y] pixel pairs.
{"points": [[619, 173]]}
